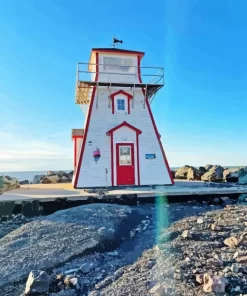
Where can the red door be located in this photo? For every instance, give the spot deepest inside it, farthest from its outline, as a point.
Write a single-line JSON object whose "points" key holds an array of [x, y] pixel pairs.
{"points": [[125, 164]]}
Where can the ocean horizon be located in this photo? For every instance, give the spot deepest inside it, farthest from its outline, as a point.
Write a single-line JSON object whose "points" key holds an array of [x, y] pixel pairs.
{"points": [[29, 175]]}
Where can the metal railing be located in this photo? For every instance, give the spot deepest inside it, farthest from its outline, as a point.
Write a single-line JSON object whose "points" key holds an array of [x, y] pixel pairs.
{"points": [[149, 75]]}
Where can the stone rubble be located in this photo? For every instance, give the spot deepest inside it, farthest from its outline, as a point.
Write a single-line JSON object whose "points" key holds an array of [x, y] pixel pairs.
{"points": [[190, 249]]}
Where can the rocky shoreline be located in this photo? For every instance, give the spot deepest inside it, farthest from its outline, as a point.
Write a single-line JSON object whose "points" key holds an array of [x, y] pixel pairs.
{"points": [[155, 249], [211, 173]]}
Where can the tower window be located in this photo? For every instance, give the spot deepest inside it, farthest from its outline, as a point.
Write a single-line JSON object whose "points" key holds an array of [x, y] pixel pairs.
{"points": [[118, 64], [120, 104]]}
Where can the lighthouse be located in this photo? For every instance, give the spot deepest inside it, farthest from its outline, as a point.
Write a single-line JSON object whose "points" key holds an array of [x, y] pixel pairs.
{"points": [[119, 144]]}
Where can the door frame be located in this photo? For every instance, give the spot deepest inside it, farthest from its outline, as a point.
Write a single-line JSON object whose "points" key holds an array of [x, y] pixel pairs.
{"points": [[133, 158]]}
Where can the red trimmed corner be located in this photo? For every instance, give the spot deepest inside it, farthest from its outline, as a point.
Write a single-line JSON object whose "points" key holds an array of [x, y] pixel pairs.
{"points": [[84, 139], [158, 138], [129, 97]]}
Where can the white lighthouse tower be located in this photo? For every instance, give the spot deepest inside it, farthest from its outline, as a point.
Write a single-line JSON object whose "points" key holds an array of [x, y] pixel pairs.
{"points": [[120, 144]]}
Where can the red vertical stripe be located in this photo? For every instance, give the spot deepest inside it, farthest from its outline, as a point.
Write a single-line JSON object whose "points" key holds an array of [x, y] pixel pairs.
{"points": [[137, 155], [112, 161], [159, 141], [84, 140], [74, 153]]}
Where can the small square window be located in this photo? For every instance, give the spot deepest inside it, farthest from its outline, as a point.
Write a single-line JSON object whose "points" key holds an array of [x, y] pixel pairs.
{"points": [[120, 104]]}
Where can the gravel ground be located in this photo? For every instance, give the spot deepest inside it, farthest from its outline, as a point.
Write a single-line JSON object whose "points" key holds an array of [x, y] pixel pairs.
{"points": [[175, 249]]}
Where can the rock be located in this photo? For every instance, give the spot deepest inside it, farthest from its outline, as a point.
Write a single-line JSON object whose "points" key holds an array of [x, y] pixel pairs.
{"points": [[37, 282], [200, 220], [236, 289], [230, 175], [214, 262], [49, 179], [173, 174], [202, 170], [214, 284], [65, 179], [71, 271], [52, 240], [241, 259], [113, 254], [242, 178], [157, 289], [9, 183], [24, 182], [37, 178], [235, 255], [87, 267], [215, 173], [182, 173], [209, 177], [71, 281], [208, 167], [235, 268], [199, 278], [71, 174], [60, 174], [215, 227], [242, 197], [231, 242], [186, 234], [193, 174]]}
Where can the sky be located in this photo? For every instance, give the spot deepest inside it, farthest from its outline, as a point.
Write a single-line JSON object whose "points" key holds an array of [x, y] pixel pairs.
{"points": [[201, 112]]}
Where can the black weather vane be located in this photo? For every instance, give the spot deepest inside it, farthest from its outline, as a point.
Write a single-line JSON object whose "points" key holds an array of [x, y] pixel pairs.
{"points": [[115, 41]]}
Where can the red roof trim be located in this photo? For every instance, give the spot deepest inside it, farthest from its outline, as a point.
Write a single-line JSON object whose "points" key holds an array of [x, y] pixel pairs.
{"points": [[122, 51], [121, 92], [126, 124]]}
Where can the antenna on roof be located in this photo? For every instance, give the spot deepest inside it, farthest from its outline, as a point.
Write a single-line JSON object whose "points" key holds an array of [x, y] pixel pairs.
{"points": [[115, 41]]}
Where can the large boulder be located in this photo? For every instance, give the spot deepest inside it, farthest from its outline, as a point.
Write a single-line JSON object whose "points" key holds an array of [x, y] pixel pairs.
{"points": [[182, 173], [9, 183], [65, 179], [231, 175], [50, 179], [214, 174], [193, 174], [58, 173], [209, 177], [173, 174], [208, 167], [52, 240], [71, 174], [217, 169], [38, 282], [202, 170], [242, 178], [37, 178], [24, 182]]}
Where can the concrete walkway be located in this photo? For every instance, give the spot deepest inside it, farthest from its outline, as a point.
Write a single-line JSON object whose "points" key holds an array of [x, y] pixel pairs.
{"points": [[50, 192]]}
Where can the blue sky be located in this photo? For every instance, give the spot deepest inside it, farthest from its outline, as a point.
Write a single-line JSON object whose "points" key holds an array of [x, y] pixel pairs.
{"points": [[201, 112]]}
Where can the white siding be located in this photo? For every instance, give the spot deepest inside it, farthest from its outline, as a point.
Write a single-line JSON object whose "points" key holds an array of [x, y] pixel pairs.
{"points": [[152, 171]]}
